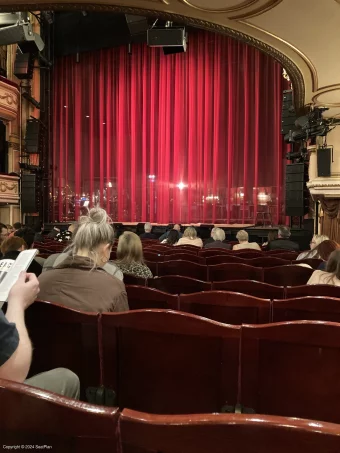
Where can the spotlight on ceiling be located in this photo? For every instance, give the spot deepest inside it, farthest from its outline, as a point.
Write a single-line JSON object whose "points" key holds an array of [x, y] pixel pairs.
{"points": [[15, 28]]}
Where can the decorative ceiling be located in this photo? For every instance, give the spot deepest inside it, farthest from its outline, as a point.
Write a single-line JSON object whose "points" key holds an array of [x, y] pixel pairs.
{"points": [[302, 34]]}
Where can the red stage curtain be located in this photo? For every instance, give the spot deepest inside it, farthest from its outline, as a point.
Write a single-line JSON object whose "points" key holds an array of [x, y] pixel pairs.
{"points": [[192, 137]]}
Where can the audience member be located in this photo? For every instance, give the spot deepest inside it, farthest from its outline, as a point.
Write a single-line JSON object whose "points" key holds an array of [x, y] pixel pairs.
{"points": [[53, 233], [3, 232], [190, 238], [17, 226], [11, 249], [172, 239], [323, 252], [66, 235], [79, 281], [242, 237], [39, 228], [283, 242], [10, 230], [209, 239], [316, 240], [130, 256], [27, 234], [148, 234], [272, 236], [16, 347], [332, 274], [176, 227], [218, 236]]}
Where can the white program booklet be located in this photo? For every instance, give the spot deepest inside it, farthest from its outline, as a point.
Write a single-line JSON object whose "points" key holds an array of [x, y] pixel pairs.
{"points": [[10, 270]]}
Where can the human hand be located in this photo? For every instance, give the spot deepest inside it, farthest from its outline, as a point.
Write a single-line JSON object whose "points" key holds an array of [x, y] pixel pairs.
{"points": [[24, 291]]}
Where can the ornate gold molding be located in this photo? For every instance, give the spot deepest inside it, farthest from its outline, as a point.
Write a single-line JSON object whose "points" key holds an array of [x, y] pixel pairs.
{"points": [[257, 12], [228, 9], [9, 101], [9, 189], [291, 68]]}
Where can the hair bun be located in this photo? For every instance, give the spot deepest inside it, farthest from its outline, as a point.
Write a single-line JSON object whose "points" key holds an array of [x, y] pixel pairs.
{"points": [[95, 215]]}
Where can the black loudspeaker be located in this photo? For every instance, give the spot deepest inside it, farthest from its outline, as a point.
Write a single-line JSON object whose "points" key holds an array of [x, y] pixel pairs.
{"points": [[297, 194], [288, 117], [28, 193], [24, 65], [136, 24], [324, 156], [32, 137]]}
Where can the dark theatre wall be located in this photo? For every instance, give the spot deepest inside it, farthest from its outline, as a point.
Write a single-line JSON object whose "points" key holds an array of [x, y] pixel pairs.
{"points": [[191, 137]]}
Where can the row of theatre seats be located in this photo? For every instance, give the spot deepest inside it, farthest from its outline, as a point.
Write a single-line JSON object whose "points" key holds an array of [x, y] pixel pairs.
{"points": [[237, 308], [169, 362], [35, 418]]}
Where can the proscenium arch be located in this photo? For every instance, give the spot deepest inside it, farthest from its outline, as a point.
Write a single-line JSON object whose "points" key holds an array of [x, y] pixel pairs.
{"points": [[292, 69]]}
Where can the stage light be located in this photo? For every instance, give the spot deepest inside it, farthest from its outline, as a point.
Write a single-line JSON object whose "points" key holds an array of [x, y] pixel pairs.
{"points": [[87, 116], [109, 184], [17, 29], [181, 185], [152, 177]]}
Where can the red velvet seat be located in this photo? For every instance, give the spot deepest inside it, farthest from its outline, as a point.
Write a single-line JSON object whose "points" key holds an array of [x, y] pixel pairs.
{"points": [[67, 338], [311, 307], [227, 307], [248, 254], [193, 258], [221, 433], [152, 266], [313, 262], [132, 280], [34, 417], [152, 256], [170, 362], [312, 290], [224, 259], [185, 268], [268, 261], [214, 252], [160, 248], [251, 287], [223, 272], [287, 275], [175, 250], [290, 256], [292, 369], [192, 248], [143, 297], [113, 255], [177, 284]]}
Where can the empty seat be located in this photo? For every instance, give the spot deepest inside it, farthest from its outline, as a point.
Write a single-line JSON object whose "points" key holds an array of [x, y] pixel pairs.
{"points": [[152, 266], [228, 307], [268, 261], [287, 275], [223, 272], [251, 287], [214, 252], [290, 256], [34, 417], [224, 259], [170, 362], [192, 248], [177, 284], [292, 369], [63, 337], [311, 307], [132, 280], [248, 254], [221, 433], [193, 258], [185, 268], [152, 256], [142, 297], [176, 250], [312, 290]]}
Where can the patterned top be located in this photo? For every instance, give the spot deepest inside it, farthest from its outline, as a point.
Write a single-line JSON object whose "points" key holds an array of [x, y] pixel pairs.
{"points": [[135, 269]]}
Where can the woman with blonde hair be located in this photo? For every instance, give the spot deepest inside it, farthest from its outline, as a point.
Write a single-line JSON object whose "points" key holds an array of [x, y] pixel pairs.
{"points": [[190, 238], [332, 274], [130, 256], [242, 237], [314, 243], [79, 281]]}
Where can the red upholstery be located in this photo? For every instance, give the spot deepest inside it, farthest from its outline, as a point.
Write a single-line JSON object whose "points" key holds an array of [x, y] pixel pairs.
{"points": [[313, 262], [184, 248], [152, 266], [223, 272], [248, 254], [224, 259], [287, 275], [268, 261], [221, 433], [142, 297], [113, 255], [227, 307], [214, 252], [176, 250], [67, 338], [132, 280], [193, 258], [292, 369], [152, 256], [310, 307], [177, 284], [291, 256], [170, 362], [31, 416], [313, 290], [185, 268], [251, 287]]}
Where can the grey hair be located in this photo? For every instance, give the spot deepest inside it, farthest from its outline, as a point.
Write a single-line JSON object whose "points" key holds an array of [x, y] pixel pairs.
{"points": [[242, 235], [320, 238], [284, 232], [147, 227], [218, 234], [93, 230]]}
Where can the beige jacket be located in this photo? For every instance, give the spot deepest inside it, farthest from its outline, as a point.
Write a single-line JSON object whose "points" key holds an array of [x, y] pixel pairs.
{"points": [[187, 241], [247, 245], [76, 285]]}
